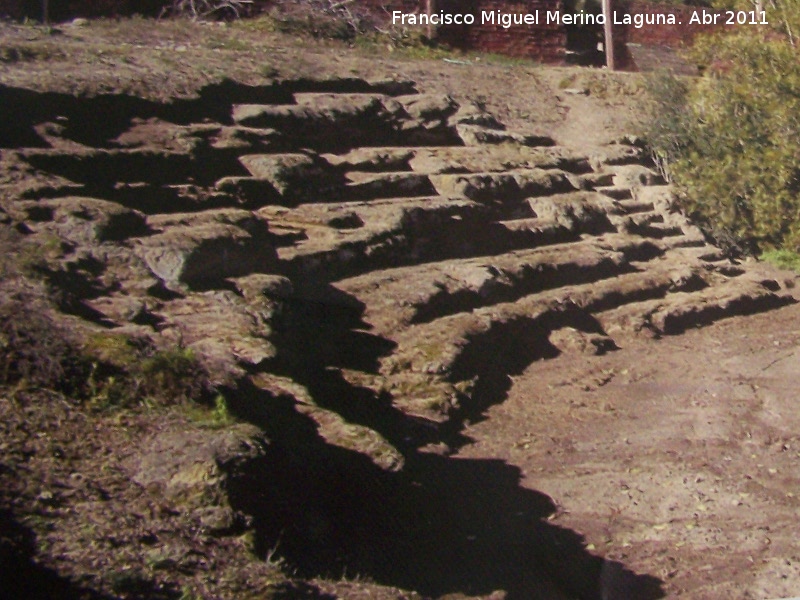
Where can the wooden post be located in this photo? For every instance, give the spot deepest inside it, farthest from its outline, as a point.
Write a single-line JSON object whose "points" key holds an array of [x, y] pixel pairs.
{"points": [[45, 12], [429, 9], [608, 32]]}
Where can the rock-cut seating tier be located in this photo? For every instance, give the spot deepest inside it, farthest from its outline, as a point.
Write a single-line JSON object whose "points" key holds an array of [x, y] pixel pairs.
{"points": [[375, 253]]}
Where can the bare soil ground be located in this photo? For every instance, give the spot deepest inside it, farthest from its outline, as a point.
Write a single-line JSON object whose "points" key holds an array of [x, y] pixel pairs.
{"points": [[600, 457], [676, 457]]}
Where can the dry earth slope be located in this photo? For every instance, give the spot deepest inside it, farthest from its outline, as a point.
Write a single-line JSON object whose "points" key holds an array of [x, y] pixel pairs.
{"points": [[363, 268]]}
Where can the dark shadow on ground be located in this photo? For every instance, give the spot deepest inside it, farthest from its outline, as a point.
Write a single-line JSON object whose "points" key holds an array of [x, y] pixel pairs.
{"points": [[505, 350], [316, 339], [23, 578], [441, 525], [98, 120]]}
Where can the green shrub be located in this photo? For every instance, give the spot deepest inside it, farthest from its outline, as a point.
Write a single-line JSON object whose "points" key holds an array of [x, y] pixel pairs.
{"points": [[669, 127], [730, 142], [99, 370], [786, 259], [128, 372], [173, 376], [782, 15]]}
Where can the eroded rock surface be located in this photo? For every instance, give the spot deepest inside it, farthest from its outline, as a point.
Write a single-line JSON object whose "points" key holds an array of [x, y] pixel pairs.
{"points": [[379, 264], [424, 226]]}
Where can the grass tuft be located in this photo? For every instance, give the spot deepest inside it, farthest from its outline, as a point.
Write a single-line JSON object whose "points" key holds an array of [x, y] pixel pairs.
{"points": [[786, 259]]}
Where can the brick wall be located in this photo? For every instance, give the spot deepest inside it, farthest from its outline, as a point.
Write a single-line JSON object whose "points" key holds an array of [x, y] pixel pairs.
{"points": [[546, 43]]}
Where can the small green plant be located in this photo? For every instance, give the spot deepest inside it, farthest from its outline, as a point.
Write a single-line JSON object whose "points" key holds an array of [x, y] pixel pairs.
{"points": [[40, 253], [115, 349], [269, 72], [236, 45], [127, 372], [221, 414], [173, 376], [216, 416], [786, 259], [263, 23], [187, 593], [566, 82], [113, 357]]}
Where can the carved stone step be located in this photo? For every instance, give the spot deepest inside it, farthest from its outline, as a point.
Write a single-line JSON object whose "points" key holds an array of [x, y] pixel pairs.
{"points": [[617, 193], [398, 297], [370, 186], [502, 189], [680, 311]]}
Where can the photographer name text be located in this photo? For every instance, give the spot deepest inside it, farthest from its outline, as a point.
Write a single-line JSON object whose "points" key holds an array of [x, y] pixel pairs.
{"points": [[556, 17]]}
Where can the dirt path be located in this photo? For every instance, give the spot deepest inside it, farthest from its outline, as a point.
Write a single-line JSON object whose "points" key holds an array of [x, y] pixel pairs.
{"points": [[677, 457]]}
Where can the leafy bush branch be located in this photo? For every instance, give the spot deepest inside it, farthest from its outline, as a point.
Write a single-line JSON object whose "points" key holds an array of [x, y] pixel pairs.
{"points": [[730, 141], [783, 15]]}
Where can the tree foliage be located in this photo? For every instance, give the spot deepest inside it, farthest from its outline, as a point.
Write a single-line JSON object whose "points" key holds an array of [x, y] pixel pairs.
{"points": [[783, 15], [731, 141]]}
